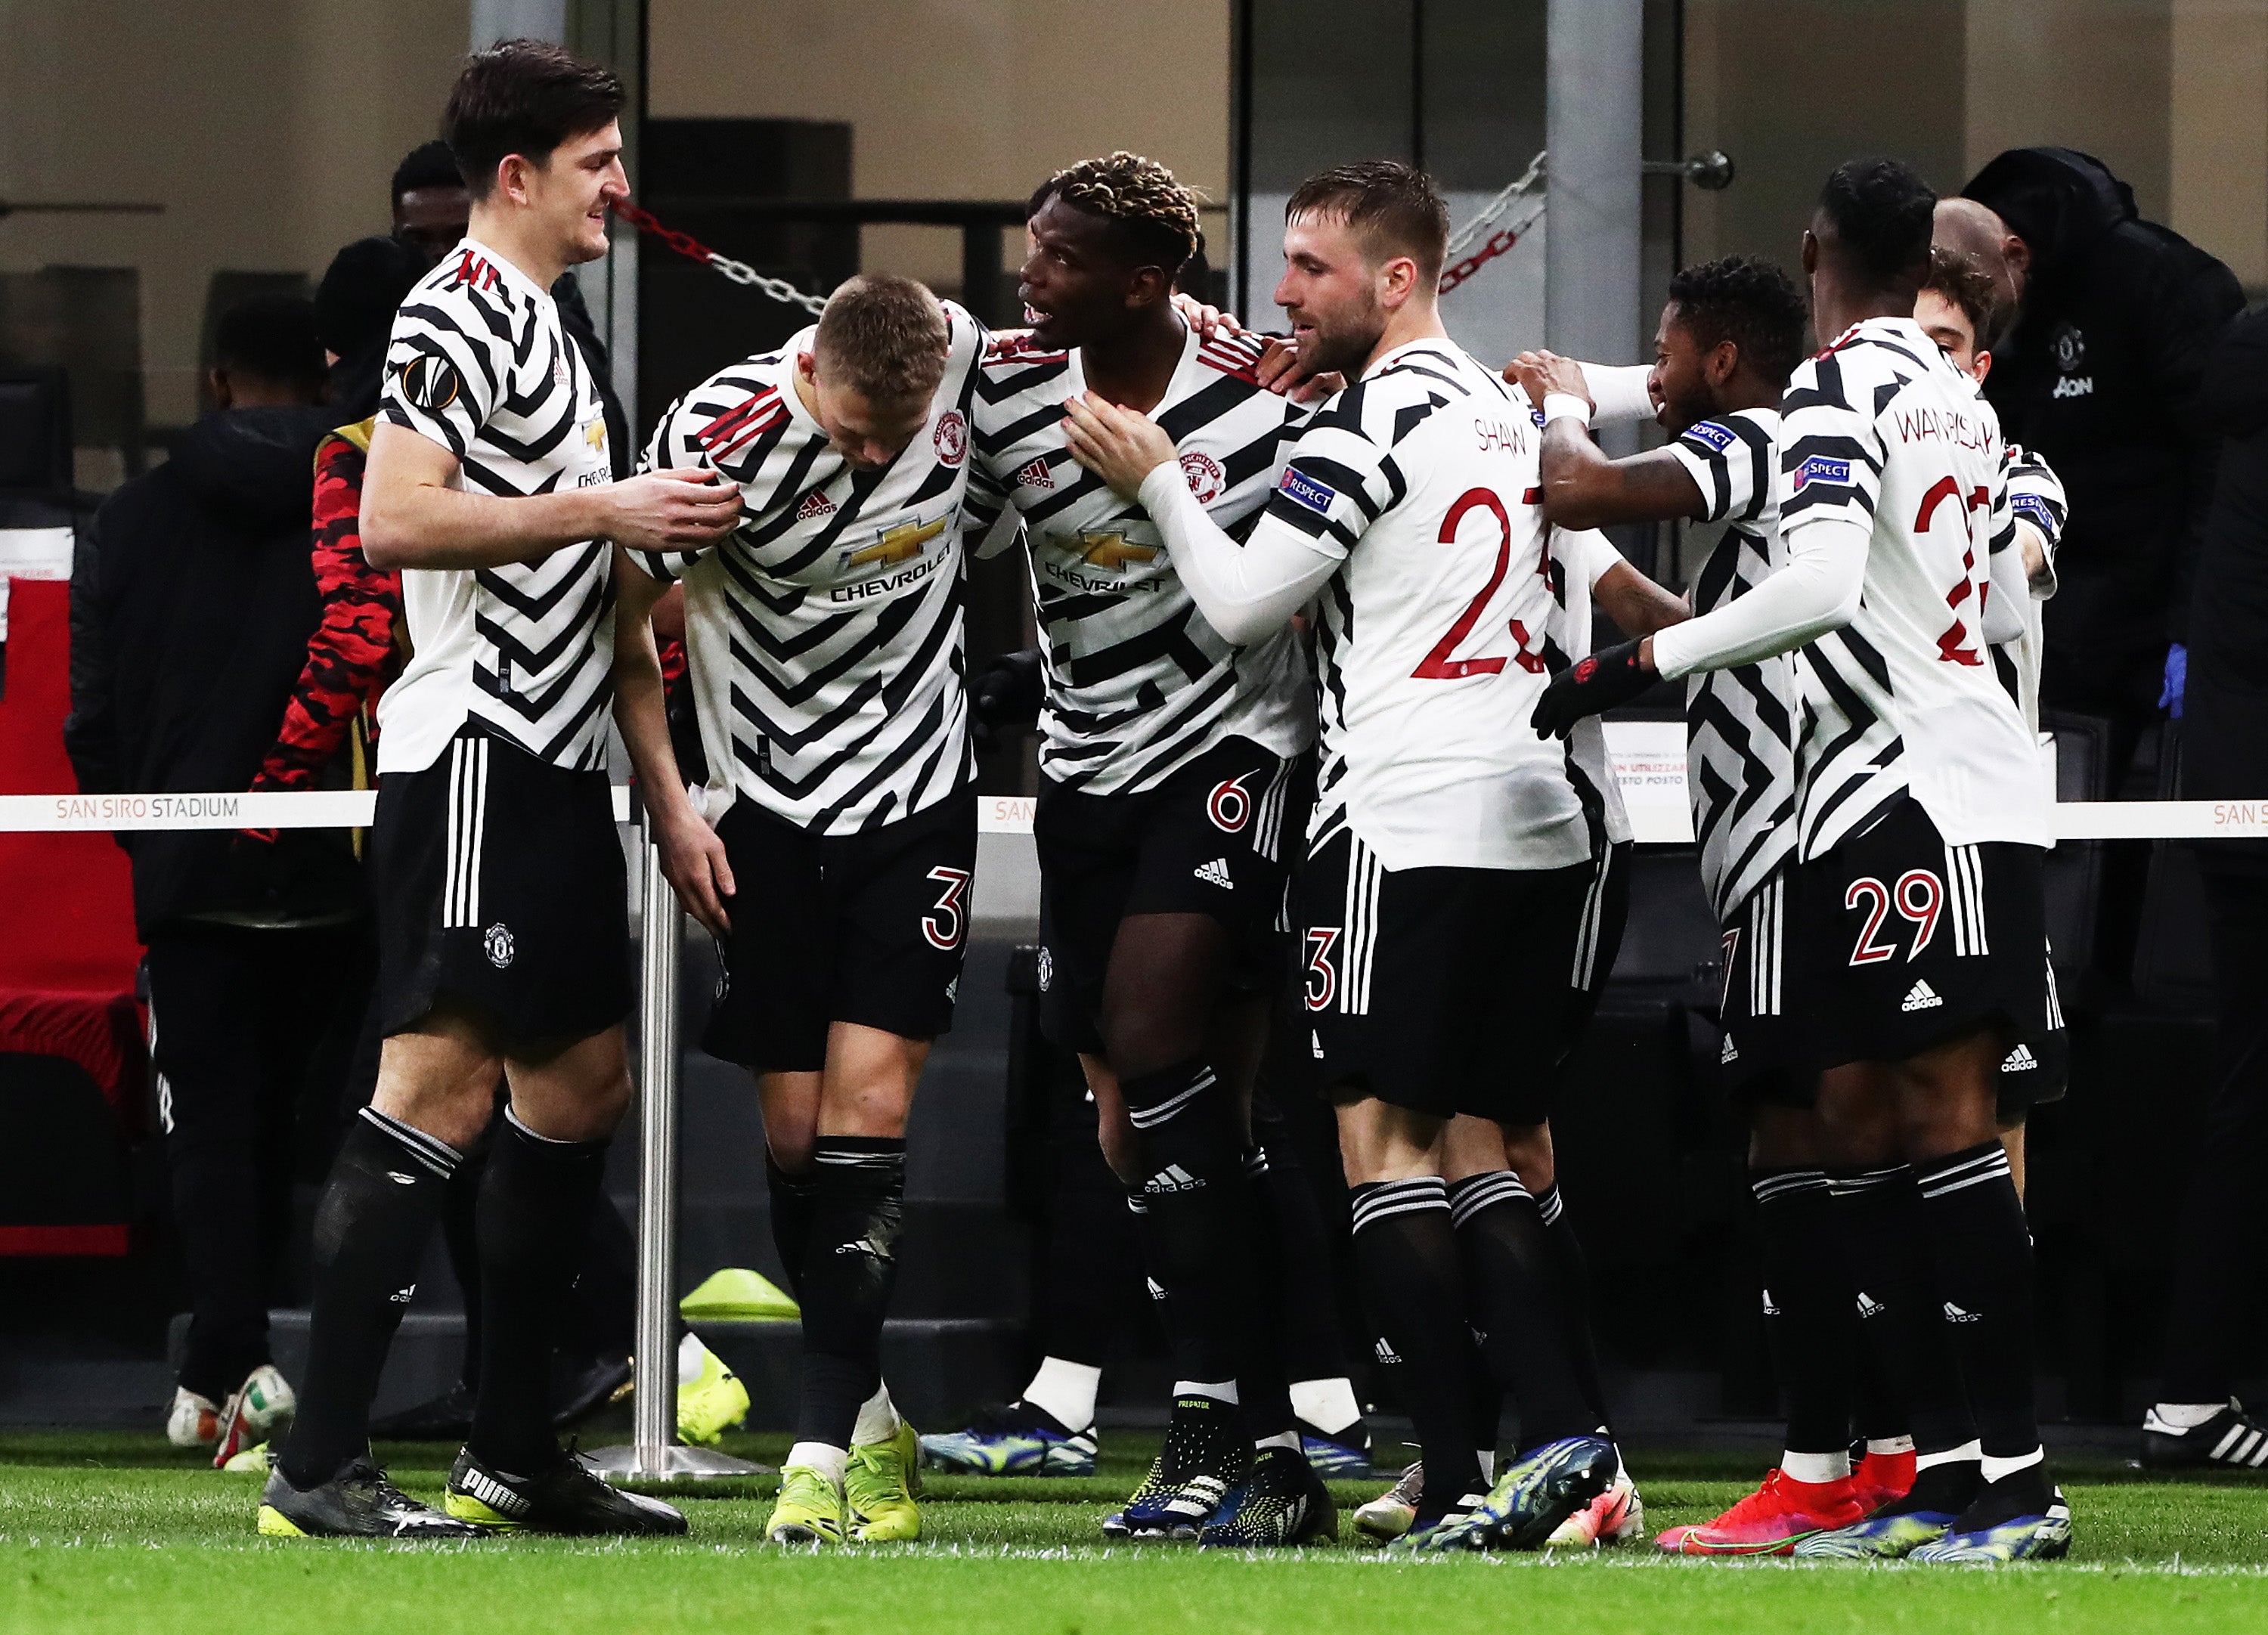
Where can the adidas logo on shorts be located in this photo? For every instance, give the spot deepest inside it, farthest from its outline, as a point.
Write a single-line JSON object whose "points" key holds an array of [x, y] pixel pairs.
{"points": [[1770, 1310], [1215, 874], [1920, 997], [2020, 1060], [1729, 1053], [1953, 1314], [1868, 1306]]}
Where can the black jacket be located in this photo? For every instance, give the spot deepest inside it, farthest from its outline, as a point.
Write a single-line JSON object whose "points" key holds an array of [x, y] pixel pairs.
{"points": [[2225, 724], [2101, 376], [192, 601]]}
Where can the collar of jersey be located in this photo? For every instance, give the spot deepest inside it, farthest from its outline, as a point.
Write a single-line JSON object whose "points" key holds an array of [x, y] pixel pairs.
{"points": [[522, 285], [1438, 342]]}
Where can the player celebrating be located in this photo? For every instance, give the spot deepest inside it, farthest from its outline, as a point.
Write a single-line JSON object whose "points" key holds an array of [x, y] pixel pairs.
{"points": [[825, 646], [1915, 921], [1168, 788], [1728, 339], [1441, 821], [503, 934]]}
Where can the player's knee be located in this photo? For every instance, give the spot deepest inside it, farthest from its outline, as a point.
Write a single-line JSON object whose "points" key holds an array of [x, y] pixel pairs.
{"points": [[1114, 1134], [1528, 1148], [1182, 1119]]}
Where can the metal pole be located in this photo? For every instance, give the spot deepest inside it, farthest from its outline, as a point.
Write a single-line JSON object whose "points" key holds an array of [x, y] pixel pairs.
{"points": [[654, 1453], [1594, 118]]}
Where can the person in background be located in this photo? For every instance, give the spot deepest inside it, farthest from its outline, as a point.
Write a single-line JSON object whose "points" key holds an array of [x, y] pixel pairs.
{"points": [[2099, 377], [195, 605], [2198, 1420]]}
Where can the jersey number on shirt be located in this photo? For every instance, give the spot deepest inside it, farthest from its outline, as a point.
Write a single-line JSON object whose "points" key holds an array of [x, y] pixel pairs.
{"points": [[1439, 666], [1918, 896], [942, 926], [1953, 646]]}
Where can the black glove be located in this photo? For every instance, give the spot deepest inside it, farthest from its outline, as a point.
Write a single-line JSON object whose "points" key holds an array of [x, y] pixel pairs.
{"points": [[1005, 694], [1611, 676]]}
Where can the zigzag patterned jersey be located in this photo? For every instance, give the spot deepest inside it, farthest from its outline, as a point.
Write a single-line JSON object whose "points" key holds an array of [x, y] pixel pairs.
{"points": [[478, 364], [825, 631], [1138, 683]]}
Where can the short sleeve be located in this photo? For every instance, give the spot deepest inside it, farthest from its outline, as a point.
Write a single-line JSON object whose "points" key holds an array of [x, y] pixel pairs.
{"points": [[445, 369], [1831, 452], [1731, 461], [1339, 479], [672, 446]]}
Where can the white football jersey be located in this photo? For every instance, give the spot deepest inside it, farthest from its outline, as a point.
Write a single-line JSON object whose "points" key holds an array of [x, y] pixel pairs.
{"points": [[1433, 638], [1879, 429], [1741, 723], [824, 634], [1138, 685], [1582, 558], [478, 363]]}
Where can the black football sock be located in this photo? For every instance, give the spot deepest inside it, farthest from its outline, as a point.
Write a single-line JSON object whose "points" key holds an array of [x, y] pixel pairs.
{"points": [[858, 1186], [1513, 1298], [461, 1231], [535, 1217], [1412, 1280], [378, 1210], [1314, 1344], [1192, 1191], [1983, 1252], [1264, 1384], [1809, 1315], [1575, 1293], [1488, 1404], [790, 1196], [1898, 1305], [1092, 1262]]}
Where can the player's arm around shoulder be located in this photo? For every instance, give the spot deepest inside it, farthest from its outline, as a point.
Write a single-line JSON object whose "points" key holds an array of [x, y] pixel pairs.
{"points": [[1582, 487]]}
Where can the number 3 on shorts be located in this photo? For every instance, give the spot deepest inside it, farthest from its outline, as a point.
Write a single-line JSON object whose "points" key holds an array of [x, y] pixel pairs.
{"points": [[1917, 897], [942, 926], [1323, 976]]}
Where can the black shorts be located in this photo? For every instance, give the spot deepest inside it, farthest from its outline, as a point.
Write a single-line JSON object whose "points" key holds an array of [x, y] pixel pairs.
{"points": [[1214, 838], [1757, 1061], [867, 928], [1431, 988], [500, 885], [1899, 942], [1598, 940], [2038, 1067]]}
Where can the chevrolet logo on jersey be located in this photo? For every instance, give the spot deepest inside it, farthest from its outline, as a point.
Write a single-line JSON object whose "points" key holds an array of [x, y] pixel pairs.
{"points": [[1112, 550], [595, 435], [899, 544]]}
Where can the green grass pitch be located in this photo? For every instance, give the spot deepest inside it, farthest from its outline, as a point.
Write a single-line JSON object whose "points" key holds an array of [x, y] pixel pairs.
{"points": [[102, 1532]]}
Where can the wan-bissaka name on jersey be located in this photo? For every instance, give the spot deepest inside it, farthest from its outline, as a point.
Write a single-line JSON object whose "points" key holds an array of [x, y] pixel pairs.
{"points": [[1138, 683], [1741, 723], [478, 364], [824, 633]]}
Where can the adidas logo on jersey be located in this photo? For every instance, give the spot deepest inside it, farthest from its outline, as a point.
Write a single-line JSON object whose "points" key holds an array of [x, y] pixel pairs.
{"points": [[1215, 874], [1034, 474], [1953, 1314], [1729, 1053], [1920, 997], [1173, 1178], [815, 504], [1315, 1044], [2020, 1060], [1868, 1306]]}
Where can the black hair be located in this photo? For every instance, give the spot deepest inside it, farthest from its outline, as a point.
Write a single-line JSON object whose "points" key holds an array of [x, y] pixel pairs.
{"points": [[271, 336], [364, 283], [1960, 280], [524, 97], [1880, 211], [427, 164], [1153, 216], [1749, 301], [1395, 207]]}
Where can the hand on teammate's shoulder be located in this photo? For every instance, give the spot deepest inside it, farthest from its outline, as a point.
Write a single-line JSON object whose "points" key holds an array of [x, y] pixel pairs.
{"points": [[669, 510]]}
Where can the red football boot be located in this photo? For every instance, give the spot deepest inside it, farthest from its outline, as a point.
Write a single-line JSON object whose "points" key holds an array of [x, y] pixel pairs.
{"points": [[1770, 1521], [1879, 1479]]}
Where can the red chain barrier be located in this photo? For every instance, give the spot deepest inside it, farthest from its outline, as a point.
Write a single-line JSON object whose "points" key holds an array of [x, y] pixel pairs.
{"points": [[1502, 240]]}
